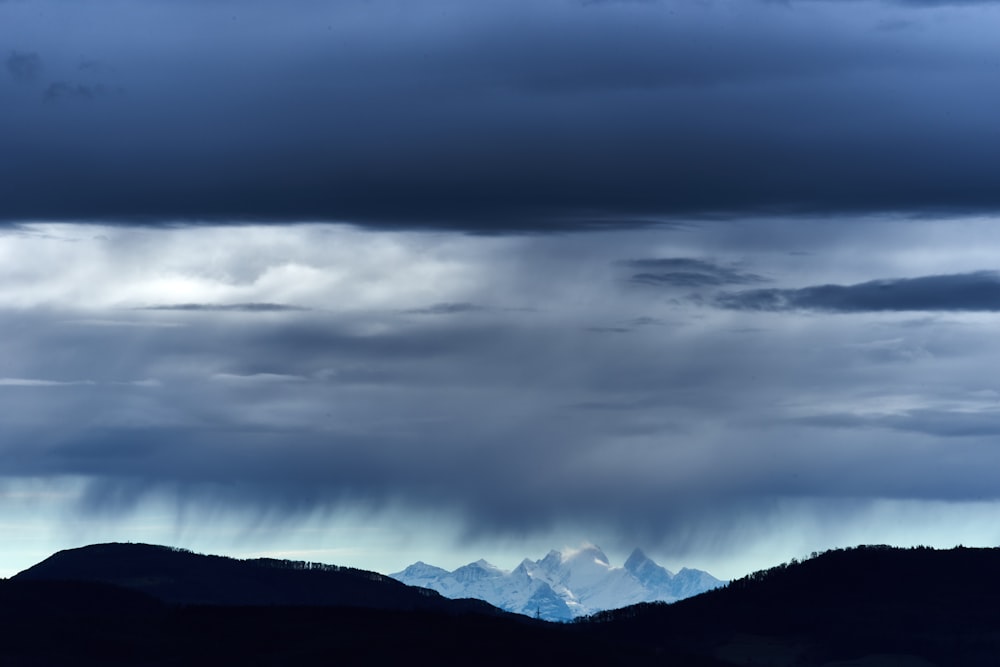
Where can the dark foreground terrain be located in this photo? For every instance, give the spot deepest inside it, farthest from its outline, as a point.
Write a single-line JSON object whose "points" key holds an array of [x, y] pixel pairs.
{"points": [[93, 624], [143, 605]]}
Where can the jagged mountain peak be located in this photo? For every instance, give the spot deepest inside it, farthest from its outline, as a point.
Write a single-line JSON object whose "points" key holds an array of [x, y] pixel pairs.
{"points": [[481, 564], [479, 570], [585, 552], [565, 584], [653, 577], [552, 559], [422, 568], [636, 559]]}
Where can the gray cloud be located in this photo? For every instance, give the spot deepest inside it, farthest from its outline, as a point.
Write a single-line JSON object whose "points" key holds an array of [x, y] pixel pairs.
{"points": [[944, 3], [977, 291], [33, 382], [24, 67], [916, 3], [59, 91], [445, 309], [936, 423], [227, 307], [613, 330], [688, 272], [646, 321]]}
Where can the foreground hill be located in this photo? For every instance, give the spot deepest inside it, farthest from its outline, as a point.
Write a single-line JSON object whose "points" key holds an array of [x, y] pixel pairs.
{"points": [[177, 576], [862, 607], [60, 624]]}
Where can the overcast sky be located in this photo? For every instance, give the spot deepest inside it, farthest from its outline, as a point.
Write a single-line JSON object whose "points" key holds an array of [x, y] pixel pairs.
{"points": [[376, 281]]}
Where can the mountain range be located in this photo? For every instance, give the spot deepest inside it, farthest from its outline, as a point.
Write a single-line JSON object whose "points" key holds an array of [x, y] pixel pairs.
{"points": [[132, 605], [563, 585]]}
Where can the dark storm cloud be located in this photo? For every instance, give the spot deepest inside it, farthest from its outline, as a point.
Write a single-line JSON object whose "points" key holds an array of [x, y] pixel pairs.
{"points": [[688, 272], [24, 67], [502, 116], [978, 291]]}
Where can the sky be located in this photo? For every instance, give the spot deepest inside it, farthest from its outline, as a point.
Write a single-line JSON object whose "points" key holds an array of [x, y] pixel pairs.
{"points": [[373, 281]]}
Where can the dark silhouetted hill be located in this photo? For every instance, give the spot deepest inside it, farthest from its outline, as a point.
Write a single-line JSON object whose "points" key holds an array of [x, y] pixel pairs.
{"points": [[874, 605], [78, 623], [178, 576], [61, 624]]}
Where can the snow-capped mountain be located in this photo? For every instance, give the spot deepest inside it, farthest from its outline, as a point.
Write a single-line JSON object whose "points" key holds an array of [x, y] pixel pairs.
{"points": [[563, 584]]}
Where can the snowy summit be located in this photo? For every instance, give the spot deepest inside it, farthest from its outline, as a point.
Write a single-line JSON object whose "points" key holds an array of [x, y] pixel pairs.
{"points": [[564, 584]]}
